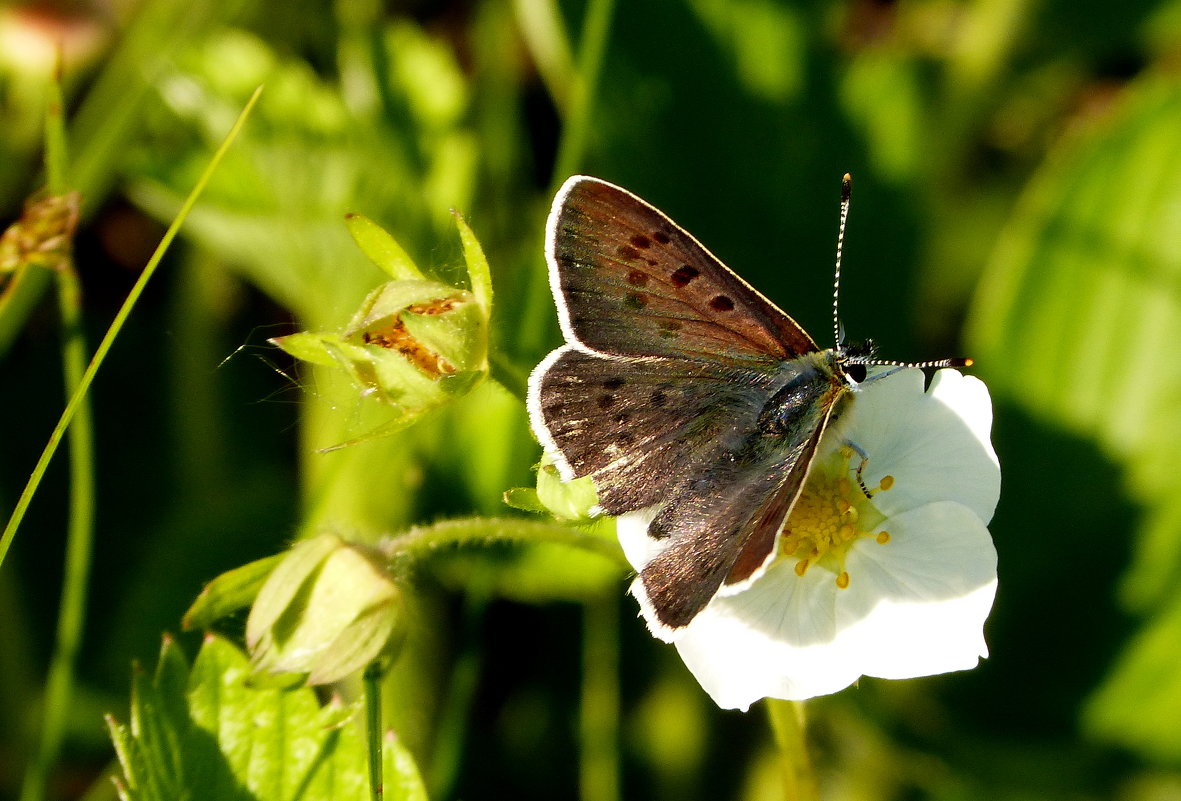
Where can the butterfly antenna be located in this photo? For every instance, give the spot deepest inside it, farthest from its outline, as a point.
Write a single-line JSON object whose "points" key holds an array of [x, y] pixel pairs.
{"points": [[846, 193], [936, 363]]}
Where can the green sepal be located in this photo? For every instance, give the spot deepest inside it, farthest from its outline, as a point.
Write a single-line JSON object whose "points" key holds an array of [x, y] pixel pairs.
{"points": [[565, 500], [382, 249], [328, 610], [233, 590]]}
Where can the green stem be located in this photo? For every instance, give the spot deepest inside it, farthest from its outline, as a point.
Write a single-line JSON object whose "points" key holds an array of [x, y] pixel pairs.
{"points": [[72, 611], [571, 148], [373, 729], [451, 730], [599, 721], [108, 340], [422, 540], [787, 724], [80, 536]]}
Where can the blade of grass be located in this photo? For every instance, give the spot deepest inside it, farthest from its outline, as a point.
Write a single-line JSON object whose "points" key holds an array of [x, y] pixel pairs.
{"points": [[108, 340]]}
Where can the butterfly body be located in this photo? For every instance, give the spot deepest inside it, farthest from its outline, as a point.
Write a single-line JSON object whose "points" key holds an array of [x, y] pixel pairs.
{"points": [[681, 390]]}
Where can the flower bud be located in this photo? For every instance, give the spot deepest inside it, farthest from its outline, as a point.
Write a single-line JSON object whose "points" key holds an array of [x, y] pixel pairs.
{"points": [[328, 609]]}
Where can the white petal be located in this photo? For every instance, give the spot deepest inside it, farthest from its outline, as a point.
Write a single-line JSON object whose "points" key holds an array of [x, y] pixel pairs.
{"points": [[935, 443], [916, 606], [776, 639], [632, 531], [639, 549]]}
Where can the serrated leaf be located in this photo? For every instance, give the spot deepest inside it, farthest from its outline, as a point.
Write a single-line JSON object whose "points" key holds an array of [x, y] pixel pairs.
{"points": [[219, 735]]}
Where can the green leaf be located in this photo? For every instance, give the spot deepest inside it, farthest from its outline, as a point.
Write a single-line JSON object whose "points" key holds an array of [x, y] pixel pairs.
{"points": [[211, 732], [1076, 323], [1140, 703], [1074, 320], [1072, 297]]}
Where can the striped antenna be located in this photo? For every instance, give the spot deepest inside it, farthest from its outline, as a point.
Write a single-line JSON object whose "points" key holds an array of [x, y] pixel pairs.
{"points": [[891, 363], [842, 354], [846, 193]]}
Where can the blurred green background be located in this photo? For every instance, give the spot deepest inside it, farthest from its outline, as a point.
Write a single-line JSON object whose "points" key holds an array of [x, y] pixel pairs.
{"points": [[1017, 198]]}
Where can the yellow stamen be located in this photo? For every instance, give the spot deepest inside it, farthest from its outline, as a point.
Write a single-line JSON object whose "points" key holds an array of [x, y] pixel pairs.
{"points": [[831, 514]]}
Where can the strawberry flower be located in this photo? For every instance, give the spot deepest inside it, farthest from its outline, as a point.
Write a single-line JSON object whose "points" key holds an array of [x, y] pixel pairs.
{"points": [[885, 566]]}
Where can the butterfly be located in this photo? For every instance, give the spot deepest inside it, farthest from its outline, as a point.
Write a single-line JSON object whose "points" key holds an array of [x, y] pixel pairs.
{"points": [[681, 389]]}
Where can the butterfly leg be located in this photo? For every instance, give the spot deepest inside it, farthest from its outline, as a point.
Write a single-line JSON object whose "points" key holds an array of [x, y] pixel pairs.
{"points": [[857, 449]]}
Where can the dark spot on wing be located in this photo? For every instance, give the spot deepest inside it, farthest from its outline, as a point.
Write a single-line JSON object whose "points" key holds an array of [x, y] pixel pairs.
{"points": [[635, 300], [622, 418], [661, 237], [668, 328], [637, 278], [721, 303], [606, 401], [613, 383], [659, 398], [641, 241], [555, 409], [625, 439], [684, 275], [628, 252]]}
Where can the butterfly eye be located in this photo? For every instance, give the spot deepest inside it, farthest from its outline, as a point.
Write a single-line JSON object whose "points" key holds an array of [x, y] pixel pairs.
{"points": [[855, 372]]}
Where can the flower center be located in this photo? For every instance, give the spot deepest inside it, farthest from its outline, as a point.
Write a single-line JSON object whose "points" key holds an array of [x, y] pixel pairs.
{"points": [[832, 512]]}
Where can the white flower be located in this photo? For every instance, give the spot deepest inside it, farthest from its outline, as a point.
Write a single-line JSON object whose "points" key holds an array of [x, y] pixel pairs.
{"points": [[895, 585]]}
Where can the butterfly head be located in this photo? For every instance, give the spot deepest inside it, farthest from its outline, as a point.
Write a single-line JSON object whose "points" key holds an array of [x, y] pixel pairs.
{"points": [[856, 359]]}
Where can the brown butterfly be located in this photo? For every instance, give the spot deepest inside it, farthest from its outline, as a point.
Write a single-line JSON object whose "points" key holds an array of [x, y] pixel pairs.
{"points": [[682, 389]]}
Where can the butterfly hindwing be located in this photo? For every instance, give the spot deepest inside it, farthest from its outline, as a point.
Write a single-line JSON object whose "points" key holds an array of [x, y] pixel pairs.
{"points": [[639, 427], [629, 281], [723, 526]]}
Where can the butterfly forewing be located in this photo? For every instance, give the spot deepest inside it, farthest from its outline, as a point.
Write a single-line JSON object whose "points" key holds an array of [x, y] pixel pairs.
{"points": [[631, 282]]}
